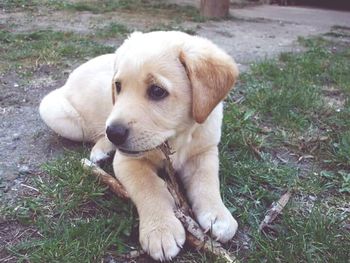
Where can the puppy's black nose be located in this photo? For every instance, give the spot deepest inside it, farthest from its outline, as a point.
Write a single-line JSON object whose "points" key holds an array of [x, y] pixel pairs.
{"points": [[117, 133]]}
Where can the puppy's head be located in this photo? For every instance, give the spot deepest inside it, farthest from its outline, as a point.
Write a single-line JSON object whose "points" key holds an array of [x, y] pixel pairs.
{"points": [[164, 82]]}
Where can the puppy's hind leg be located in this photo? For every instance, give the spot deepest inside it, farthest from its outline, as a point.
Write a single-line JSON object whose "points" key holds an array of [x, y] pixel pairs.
{"points": [[59, 114]]}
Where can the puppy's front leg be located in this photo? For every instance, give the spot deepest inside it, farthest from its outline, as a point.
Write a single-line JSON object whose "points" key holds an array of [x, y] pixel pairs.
{"points": [[201, 180], [102, 150], [161, 233]]}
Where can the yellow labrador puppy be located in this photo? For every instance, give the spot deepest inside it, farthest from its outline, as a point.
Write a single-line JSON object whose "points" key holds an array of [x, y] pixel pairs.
{"points": [[166, 86]]}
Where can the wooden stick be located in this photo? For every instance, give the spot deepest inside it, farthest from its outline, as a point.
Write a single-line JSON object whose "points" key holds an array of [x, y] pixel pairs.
{"points": [[173, 186], [134, 254], [198, 239], [275, 210], [114, 185], [195, 236]]}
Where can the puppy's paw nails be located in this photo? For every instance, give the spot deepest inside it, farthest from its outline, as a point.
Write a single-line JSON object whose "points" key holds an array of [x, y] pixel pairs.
{"points": [[162, 241], [219, 222]]}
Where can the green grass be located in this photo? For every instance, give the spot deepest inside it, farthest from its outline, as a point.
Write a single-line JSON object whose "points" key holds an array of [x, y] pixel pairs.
{"points": [[283, 107], [16, 4], [102, 6], [76, 220], [112, 30], [293, 94], [173, 25], [339, 32], [151, 6], [25, 51], [188, 13], [318, 236], [30, 5], [78, 240], [286, 91]]}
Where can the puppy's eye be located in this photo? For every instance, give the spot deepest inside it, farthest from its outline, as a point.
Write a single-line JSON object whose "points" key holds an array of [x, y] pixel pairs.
{"points": [[156, 93], [118, 86]]}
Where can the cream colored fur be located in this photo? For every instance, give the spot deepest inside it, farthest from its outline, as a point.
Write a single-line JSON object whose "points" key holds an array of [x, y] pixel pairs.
{"points": [[198, 75]]}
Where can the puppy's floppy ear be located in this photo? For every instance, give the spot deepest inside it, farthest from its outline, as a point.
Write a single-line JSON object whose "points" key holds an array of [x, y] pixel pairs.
{"points": [[212, 74]]}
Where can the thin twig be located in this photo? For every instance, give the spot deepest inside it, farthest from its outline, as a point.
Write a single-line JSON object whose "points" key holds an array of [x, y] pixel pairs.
{"points": [[172, 184], [256, 152], [114, 185], [275, 210], [134, 254], [30, 187]]}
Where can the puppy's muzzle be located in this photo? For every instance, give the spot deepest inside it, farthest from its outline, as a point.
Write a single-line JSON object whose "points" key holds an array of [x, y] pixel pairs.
{"points": [[117, 133]]}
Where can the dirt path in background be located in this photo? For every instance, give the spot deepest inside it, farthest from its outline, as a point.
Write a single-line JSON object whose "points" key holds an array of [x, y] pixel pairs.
{"points": [[253, 34]]}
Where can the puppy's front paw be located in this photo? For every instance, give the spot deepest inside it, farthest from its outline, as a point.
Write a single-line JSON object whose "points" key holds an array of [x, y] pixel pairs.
{"points": [[217, 220], [162, 238], [102, 152], [100, 157]]}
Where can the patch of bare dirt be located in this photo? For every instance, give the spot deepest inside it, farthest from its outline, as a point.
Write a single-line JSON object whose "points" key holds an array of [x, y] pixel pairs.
{"points": [[11, 234], [25, 141], [82, 22]]}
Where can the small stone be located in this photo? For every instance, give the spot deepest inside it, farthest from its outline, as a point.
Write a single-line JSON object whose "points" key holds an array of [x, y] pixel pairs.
{"points": [[15, 137], [312, 198], [45, 69], [109, 259], [6, 189], [23, 170]]}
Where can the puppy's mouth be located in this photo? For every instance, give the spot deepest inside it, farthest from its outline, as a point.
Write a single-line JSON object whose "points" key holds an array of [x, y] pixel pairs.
{"points": [[135, 153], [132, 153], [138, 153]]}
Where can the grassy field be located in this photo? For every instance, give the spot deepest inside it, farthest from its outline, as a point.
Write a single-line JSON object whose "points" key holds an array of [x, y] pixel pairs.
{"points": [[286, 127], [290, 130], [187, 13]]}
